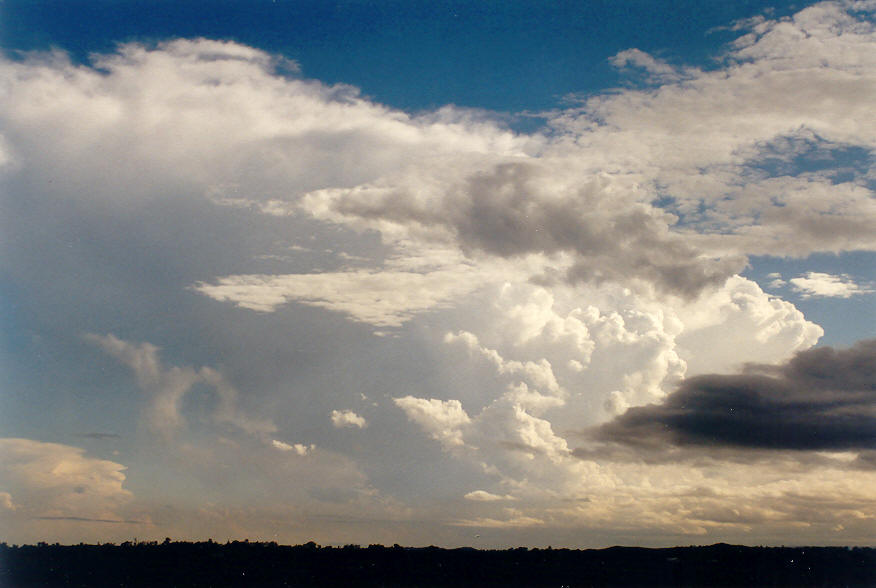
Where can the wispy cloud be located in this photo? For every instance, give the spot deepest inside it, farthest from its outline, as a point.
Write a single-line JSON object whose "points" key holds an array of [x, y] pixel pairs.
{"points": [[92, 520], [166, 388], [100, 436], [821, 285]]}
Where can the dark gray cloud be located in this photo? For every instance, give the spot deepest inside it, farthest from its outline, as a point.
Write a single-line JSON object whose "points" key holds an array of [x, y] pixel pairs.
{"points": [[822, 399]]}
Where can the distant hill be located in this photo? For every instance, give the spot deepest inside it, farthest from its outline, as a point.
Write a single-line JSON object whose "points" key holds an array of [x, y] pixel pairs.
{"points": [[210, 564]]}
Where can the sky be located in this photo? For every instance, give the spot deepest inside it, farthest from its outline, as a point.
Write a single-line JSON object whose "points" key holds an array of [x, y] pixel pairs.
{"points": [[438, 273]]}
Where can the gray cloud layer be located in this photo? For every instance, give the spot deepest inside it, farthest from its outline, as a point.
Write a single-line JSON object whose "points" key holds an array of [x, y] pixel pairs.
{"points": [[519, 208], [822, 399]]}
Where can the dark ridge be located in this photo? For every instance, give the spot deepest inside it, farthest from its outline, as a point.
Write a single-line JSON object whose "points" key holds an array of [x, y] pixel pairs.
{"points": [[210, 564]]}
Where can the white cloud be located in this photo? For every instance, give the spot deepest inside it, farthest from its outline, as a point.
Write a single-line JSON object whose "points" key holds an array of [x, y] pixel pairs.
{"points": [[54, 480], [776, 280], [484, 496], [297, 448], [537, 374], [348, 418], [514, 520], [740, 323], [659, 69], [821, 285], [442, 419], [379, 298]]}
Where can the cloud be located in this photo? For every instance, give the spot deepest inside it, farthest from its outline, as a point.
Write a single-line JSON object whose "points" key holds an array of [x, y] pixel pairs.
{"points": [[379, 298], [167, 387], [348, 418], [699, 143], [659, 70], [821, 285], [6, 501], [53, 480], [442, 419], [484, 496], [518, 208], [100, 436], [515, 520], [822, 399], [776, 280], [537, 375], [741, 323], [298, 448], [89, 520]]}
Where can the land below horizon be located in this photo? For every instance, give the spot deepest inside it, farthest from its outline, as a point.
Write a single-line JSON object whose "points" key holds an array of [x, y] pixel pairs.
{"points": [[246, 563]]}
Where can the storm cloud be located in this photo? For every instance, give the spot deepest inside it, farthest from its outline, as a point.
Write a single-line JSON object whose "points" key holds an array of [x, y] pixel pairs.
{"points": [[822, 399]]}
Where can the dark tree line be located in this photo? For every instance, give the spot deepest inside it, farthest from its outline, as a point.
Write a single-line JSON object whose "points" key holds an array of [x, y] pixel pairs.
{"points": [[210, 564]]}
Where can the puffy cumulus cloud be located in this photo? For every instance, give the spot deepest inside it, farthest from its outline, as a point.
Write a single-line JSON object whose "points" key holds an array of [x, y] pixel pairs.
{"points": [[740, 323], [823, 399], [521, 425], [347, 418], [821, 285], [442, 419], [571, 344], [51, 481], [593, 350], [524, 437], [166, 388], [537, 374]]}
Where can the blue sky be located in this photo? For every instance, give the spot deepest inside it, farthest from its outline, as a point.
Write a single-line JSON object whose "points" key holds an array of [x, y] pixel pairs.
{"points": [[503, 56], [438, 273]]}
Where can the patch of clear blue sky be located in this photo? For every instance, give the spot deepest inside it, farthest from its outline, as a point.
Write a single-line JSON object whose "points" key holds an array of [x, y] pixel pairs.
{"points": [[845, 320], [503, 55]]}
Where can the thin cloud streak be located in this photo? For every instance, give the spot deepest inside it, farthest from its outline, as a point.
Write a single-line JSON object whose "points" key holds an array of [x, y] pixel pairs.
{"points": [[91, 520]]}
